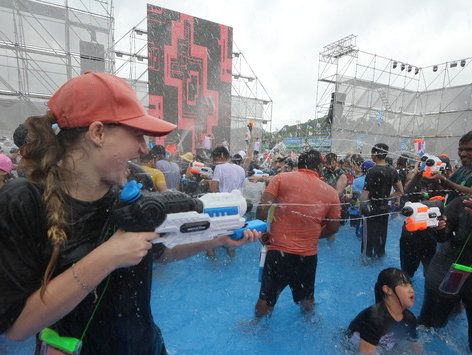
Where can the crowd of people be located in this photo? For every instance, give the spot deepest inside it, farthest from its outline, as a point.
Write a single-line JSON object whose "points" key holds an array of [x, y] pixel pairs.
{"points": [[66, 266]]}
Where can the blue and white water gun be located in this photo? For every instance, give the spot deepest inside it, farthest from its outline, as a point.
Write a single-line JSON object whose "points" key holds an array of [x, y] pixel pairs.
{"points": [[259, 173], [180, 219]]}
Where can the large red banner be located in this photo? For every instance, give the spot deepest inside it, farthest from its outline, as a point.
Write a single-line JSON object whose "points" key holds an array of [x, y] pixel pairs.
{"points": [[189, 76]]}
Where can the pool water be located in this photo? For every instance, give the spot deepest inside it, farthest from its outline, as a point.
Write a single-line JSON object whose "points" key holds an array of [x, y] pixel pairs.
{"points": [[206, 306]]}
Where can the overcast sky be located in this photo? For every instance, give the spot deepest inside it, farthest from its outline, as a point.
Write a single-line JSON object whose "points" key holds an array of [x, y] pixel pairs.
{"points": [[281, 39]]}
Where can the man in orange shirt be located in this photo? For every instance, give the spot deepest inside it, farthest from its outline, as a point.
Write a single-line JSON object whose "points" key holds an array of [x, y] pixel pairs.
{"points": [[306, 209]]}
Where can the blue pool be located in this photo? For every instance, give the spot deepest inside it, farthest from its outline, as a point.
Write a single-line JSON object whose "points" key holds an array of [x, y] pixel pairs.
{"points": [[206, 307]]}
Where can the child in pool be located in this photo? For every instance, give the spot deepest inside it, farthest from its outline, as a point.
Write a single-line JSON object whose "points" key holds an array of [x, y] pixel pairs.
{"points": [[388, 321]]}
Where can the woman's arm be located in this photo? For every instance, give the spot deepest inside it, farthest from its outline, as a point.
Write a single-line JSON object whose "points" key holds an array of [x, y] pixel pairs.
{"points": [[65, 291], [62, 295], [184, 251]]}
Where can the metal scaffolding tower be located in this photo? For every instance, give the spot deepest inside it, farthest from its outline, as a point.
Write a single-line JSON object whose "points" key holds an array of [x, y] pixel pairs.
{"points": [[45, 43], [366, 98], [250, 101]]}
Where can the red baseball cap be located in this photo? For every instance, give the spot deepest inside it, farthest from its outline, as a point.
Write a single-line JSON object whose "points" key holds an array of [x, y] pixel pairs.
{"points": [[106, 98]]}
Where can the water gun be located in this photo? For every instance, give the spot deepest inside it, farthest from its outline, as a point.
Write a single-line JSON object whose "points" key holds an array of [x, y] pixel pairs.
{"points": [[180, 219], [431, 164], [200, 169], [422, 215], [259, 173]]}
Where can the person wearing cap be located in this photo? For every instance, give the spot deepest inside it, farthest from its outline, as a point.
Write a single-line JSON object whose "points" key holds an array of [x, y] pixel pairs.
{"points": [[389, 322], [187, 158], [6, 166], [359, 181], [185, 163], [63, 263]]}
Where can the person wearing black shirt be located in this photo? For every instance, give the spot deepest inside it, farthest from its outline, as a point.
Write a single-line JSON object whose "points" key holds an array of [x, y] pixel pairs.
{"points": [[457, 239], [379, 181], [63, 262], [388, 322]]}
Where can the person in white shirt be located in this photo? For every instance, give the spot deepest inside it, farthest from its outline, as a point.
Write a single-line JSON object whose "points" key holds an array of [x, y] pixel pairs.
{"points": [[207, 142], [227, 176]]}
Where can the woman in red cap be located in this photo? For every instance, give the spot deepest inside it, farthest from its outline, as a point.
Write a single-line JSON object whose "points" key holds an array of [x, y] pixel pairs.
{"points": [[63, 264]]}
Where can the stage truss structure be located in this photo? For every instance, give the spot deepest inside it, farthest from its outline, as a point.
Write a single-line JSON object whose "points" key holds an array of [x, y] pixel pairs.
{"points": [[366, 98], [250, 101], [45, 43]]}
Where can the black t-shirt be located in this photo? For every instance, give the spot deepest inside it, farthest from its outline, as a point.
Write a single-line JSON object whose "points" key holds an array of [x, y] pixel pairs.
{"points": [[376, 326], [379, 181], [123, 323]]}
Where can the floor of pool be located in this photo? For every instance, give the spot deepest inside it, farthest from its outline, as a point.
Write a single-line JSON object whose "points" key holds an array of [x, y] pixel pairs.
{"points": [[206, 307]]}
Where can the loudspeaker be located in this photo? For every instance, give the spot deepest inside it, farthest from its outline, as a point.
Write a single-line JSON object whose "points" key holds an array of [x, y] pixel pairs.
{"points": [[92, 57]]}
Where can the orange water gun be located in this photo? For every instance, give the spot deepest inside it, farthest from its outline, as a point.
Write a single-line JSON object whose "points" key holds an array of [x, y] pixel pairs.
{"points": [[432, 165], [198, 168], [422, 215]]}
